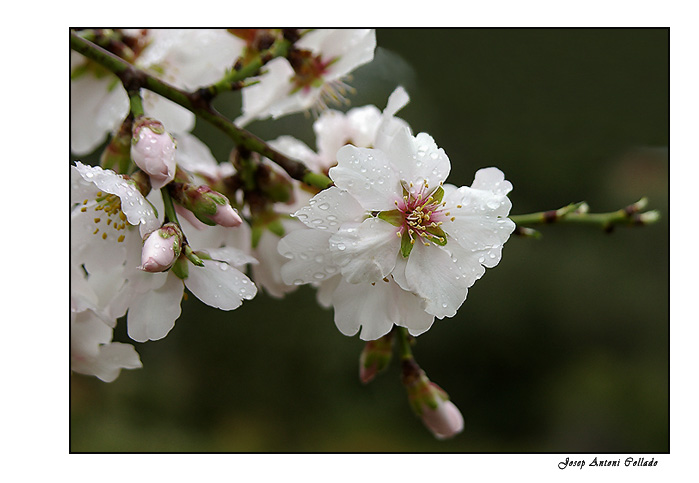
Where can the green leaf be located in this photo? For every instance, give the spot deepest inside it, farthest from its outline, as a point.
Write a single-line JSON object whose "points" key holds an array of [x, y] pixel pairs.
{"points": [[394, 217], [438, 195], [406, 244]]}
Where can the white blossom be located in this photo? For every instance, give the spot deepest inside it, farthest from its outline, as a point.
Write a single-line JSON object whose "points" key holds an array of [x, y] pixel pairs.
{"points": [[390, 221], [314, 80], [185, 58]]}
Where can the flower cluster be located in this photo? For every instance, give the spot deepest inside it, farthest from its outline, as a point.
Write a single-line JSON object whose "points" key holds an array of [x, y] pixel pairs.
{"points": [[385, 240]]}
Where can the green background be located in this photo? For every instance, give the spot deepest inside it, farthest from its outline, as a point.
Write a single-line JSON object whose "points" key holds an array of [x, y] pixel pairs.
{"points": [[563, 347]]}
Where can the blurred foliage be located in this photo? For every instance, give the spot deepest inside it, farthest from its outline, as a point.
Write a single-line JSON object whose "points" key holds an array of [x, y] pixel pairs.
{"points": [[564, 347]]}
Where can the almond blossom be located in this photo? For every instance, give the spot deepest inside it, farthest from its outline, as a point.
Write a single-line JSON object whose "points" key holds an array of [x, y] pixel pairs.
{"points": [[394, 231], [186, 58], [312, 76]]}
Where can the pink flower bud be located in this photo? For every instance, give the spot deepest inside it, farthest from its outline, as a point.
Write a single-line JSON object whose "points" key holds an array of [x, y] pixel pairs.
{"points": [[161, 249], [375, 357], [226, 216], [153, 150], [445, 421]]}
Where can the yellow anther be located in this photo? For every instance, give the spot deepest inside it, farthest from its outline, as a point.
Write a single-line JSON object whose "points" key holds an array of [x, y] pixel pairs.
{"points": [[120, 239], [97, 220], [122, 216], [104, 236], [83, 209], [458, 206], [84, 202], [452, 218]]}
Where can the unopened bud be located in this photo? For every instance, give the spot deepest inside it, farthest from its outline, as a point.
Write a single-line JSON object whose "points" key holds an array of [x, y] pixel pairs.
{"points": [[226, 216], [431, 403], [375, 357], [153, 150], [209, 206], [161, 248], [445, 422]]}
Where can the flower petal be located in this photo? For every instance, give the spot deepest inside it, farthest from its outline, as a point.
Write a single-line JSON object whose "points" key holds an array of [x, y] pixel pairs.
{"points": [[367, 305], [368, 175], [418, 159], [311, 260], [477, 222], [491, 179], [136, 208], [437, 278], [329, 209], [152, 314], [367, 252], [219, 285]]}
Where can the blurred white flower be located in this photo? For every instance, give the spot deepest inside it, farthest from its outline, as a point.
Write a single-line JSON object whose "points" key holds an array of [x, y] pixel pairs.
{"points": [[185, 58], [312, 76]]}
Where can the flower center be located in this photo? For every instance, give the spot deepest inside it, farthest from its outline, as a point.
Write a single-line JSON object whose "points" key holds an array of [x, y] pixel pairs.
{"points": [[109, 219], [418, 216], [422, 218]]}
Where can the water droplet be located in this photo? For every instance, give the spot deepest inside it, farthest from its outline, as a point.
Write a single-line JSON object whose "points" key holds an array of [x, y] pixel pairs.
{"points": [[331, 217], [223, 266], [323, 206], [493, 204], [341, 246], [319, 276], [298, 281]]}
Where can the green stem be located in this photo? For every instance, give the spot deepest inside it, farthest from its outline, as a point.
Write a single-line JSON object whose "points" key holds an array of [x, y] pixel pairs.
{"points": [[170, 214], [404, 349], [136, 103], [134, 78], [577, 213], [233, 78]]}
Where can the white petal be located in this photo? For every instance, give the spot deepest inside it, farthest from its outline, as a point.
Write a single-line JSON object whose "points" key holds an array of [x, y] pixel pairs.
{"points": [[325, 290], [195, 156], [437, 278], [365, 253], [268, 273], [491, 179], [174, 117], [136, 208], [152, 315], [369, 176], [367, 305], [329, 209], [398, 99], [231, 255], [219, 285], [296, 149], [97, 107], [410, 311], [419, 160], [311, 259], [113, 358], [272, 86], [352, 47], [478, 221]]}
